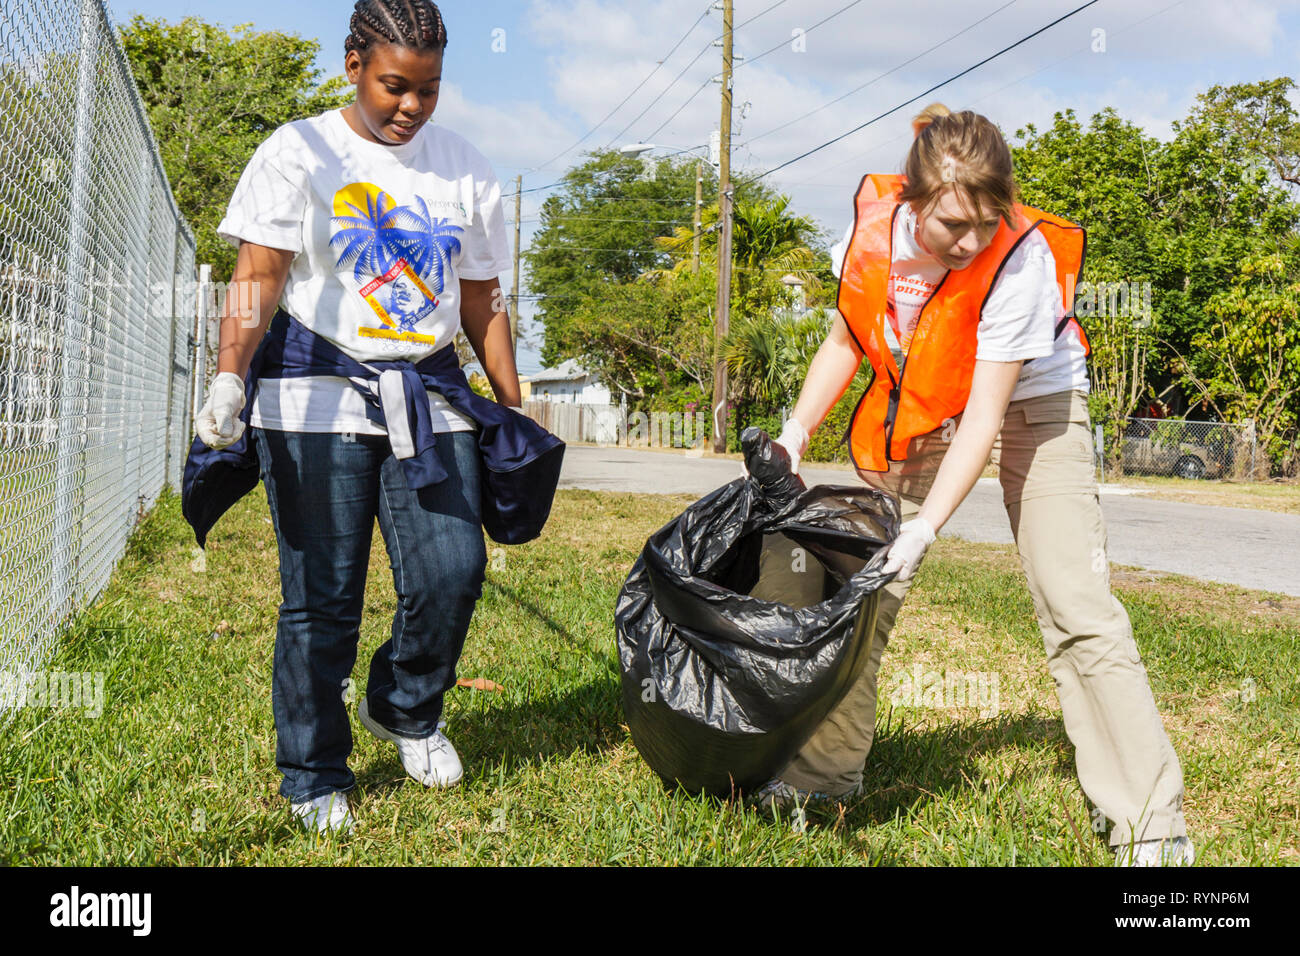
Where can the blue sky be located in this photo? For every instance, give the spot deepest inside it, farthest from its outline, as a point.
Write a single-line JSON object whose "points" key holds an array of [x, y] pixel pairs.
{"points": [[567, 63]]}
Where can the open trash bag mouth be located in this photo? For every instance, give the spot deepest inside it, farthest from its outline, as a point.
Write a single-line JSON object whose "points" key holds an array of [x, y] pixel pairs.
{"points": [[743, 623]]}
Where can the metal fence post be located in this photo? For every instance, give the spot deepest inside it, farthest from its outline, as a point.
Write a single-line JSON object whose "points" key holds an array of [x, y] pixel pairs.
{"points": [[72, 419], [1101, 451], [144, 326], [185, 308], [172, 316], [201, 346]]}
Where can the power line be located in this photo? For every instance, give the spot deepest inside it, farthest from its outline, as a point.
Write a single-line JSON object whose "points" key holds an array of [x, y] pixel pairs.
{"points": [[647, 249], [562, 296], [656, 222], [708, 46], [1055, 63], [561, 182], [538, 189], [875, 119], [565, 182], [648, 199], [705, 84], [745, 23], [859, 89], [755, 59], [665, 90], [665, 252], [680, 108], [658, 66]]}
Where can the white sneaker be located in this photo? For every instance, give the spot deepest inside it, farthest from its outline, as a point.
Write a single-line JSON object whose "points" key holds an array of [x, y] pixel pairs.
{"points": [[431, 760], [325, 814], [1175, 851]]}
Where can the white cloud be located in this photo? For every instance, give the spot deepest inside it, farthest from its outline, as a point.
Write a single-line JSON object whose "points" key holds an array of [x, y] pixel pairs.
{"points": [[519, 134], [1209, 28], [1159, 54]]}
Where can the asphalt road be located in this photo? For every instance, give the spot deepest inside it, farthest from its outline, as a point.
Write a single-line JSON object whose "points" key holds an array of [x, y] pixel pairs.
{"points": [[1253, 549]]}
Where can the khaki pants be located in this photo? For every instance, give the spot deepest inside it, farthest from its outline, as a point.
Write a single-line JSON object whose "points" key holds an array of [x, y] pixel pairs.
{"points": [[1125, 762]]}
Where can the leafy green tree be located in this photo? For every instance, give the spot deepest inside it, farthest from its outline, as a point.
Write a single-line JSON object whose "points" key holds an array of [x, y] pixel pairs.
{"points": [[1252, 352], [770, 342], [768, 242], [616, 219], [1263, 119], [1220, 208], [613, 265], [600, 229], [212, 96], [1102, 177], [1182, 216], [645, 339], [768, 355]]}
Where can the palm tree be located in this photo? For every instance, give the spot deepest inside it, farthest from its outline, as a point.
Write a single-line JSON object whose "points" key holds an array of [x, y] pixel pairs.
{"points": [[428, 243], [366, 238], [764, 238], [768, 355]]}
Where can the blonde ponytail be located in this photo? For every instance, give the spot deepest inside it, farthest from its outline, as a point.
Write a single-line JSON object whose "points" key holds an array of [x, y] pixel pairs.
{"points": [[927, 116]]}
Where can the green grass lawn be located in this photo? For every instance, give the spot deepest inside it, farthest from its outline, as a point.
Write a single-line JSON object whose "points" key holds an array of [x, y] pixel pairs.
{"points": [[180, 767]]}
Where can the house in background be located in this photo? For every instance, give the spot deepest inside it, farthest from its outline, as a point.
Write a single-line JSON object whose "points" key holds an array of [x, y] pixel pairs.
{"points": [[798, 294], [569, 382]]}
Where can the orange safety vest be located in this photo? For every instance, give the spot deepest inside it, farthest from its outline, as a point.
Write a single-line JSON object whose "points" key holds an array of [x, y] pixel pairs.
{"points": [[933, 383]]}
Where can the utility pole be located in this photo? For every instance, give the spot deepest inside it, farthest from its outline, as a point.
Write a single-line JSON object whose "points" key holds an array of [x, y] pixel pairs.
{"points": [[699, 201], [724, 242], [514, 292]]}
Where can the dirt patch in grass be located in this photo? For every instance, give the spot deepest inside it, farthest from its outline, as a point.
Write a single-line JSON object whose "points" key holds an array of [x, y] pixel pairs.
{"points": [[1178, 592], [1188, 594]]}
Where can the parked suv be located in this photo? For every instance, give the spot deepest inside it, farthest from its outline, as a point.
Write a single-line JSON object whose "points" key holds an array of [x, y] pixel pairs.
{"points": [[1168, 447]]}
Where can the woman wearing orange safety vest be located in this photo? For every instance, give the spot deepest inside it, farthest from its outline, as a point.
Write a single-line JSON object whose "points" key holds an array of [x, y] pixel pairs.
{"points": [[962, 301]]}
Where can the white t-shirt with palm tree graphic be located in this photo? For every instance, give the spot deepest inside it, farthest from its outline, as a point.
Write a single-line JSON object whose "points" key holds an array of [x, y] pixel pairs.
{"points": [[383, 236]]}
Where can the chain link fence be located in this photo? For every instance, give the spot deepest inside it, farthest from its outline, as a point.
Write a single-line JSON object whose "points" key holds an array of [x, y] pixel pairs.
{"points": [[97, 305], [1184, 449]]}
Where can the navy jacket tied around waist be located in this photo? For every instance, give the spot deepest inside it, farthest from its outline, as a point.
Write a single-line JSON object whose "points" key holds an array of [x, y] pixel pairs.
{"points": [[521, 459]]}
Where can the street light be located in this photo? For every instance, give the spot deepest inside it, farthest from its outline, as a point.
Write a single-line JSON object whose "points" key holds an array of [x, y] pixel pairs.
{"points": [[636, 149]]}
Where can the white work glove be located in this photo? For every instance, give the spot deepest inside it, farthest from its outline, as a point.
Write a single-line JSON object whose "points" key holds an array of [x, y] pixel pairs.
{"points": [[218, 423], [794, 438], [905, 554]]}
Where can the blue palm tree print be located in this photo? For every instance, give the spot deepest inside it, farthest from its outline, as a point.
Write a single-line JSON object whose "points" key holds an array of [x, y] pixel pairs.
{"points": [[374, 239], [427, 243], [364, 237]]}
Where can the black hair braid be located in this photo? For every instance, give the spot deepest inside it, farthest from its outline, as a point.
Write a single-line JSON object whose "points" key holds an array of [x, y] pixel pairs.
{"points": [[416, 24]]}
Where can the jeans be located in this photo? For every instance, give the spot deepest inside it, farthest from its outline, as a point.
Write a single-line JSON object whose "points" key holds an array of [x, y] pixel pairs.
{"points": [[324, 491]]}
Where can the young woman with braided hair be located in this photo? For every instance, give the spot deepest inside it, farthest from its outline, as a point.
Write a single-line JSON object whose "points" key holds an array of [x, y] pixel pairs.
{"points": [[382, 235], [962, 300]]}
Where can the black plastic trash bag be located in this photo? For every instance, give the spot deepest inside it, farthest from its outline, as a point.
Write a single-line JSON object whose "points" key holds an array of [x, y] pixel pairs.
{"points": [[722, 685]]}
